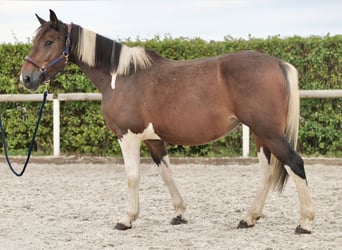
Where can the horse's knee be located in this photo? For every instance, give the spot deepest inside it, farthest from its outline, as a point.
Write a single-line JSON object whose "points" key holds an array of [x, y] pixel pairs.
{"points": [[133, 181]]}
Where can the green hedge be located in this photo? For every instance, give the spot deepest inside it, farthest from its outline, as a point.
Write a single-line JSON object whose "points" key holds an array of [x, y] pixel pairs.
{"points": [[318, 60]]}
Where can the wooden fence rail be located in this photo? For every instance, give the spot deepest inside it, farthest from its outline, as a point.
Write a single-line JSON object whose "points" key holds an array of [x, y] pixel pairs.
{"points": [[97, 97]]}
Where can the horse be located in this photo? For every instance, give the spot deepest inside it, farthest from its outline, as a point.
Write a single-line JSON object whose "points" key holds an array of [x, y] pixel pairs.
{"points": [[153, 100]]}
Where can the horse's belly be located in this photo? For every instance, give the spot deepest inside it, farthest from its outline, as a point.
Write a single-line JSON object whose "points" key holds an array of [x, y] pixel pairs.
{"points": [[197, 133]]}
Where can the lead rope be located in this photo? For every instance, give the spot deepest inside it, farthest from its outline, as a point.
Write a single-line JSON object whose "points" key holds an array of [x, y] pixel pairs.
{"points": [[3, 138]]}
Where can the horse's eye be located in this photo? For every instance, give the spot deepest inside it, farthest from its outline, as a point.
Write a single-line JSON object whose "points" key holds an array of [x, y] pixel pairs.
{"points": [[48, 43]]}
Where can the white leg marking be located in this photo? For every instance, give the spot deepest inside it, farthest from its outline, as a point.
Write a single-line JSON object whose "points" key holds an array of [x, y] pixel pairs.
{"points": [[165, 172], [130, 147], [255, 210], [307, 210]]}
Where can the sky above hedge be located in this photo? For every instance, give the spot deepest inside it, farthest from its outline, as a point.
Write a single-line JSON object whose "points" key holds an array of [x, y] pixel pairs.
{"points": [[207, 19]]}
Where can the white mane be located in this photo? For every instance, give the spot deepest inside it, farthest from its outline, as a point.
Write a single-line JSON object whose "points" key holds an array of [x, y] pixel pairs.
{"points": [[87, 47], [135, 56]]}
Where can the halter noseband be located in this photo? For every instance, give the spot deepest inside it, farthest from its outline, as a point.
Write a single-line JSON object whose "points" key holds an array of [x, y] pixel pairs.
{"points": [[65, 56]]}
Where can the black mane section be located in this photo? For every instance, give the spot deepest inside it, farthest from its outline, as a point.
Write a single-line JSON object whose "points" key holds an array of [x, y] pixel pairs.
{"points": [[115, 56], [107, 53]]}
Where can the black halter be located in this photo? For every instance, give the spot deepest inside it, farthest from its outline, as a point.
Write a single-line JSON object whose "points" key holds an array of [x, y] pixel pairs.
{"points": [[65, 56]]}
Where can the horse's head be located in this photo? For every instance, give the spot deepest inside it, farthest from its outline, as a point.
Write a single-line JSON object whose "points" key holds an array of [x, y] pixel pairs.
{"points": [[49, 53]]}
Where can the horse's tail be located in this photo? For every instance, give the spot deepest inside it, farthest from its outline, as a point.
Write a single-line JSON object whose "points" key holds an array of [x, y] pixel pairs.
{"points": [[280, 174]]}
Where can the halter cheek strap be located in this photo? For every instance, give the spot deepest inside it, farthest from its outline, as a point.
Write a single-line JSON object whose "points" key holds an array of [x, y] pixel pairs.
{"points": [[65, 56]]}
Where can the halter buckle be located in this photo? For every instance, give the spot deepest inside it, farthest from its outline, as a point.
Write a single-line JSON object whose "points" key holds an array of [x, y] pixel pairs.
{"points": [[66, 58]]}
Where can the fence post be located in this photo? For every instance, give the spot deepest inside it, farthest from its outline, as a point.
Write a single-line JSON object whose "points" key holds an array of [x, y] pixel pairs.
{"points": [[245, 140], [56, 129]]}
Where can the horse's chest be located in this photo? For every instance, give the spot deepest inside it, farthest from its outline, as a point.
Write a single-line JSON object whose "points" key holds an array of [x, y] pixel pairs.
{"points": [[122, 115]]}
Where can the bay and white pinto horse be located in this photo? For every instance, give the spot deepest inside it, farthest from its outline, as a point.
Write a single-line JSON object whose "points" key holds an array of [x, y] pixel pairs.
{"points": [[147, 98]]}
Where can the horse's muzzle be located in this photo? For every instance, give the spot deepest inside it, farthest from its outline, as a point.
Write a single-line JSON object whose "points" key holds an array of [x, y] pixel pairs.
{"points": [[31, 81]]}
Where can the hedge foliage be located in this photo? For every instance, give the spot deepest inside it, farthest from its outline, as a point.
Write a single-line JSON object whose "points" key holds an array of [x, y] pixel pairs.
{"points": [[318, 60]]}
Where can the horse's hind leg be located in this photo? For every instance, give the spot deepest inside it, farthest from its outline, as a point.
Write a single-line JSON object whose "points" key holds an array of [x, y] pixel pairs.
{"points": [[307, 212], [255, 211], [159, 154], [294, 165]]}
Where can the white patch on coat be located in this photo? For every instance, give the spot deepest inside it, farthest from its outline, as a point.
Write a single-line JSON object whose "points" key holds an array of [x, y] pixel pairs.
{"points": [[112, 83], [147, 134]]}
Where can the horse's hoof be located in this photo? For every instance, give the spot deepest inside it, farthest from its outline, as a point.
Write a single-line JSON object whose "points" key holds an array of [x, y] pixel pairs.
{"points": [[178, 220], [122, 227], [244, 224], [300, 230]]}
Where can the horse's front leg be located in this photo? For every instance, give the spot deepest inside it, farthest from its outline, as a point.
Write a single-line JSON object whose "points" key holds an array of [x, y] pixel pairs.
{"points": [[177, 200], [130, 147], [159, 154]]}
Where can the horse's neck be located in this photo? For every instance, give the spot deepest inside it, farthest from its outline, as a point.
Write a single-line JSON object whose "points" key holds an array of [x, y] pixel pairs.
{"points": [[97, 77], [100, 79]]}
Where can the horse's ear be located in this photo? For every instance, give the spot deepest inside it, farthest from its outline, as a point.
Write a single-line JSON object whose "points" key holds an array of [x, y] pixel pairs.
{"points": [[53, 19], [41, 20]]}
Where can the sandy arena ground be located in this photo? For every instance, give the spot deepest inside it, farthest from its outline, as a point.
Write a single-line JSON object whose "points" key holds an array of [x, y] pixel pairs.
{"points": [[76, 206]]}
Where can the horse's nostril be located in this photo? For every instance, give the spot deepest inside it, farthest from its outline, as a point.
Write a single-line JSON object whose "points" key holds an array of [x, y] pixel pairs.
{"points": [[27, 79]]}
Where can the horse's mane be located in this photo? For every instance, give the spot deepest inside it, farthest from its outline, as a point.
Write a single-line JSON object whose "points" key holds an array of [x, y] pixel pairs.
{"points": [[98, 51]]}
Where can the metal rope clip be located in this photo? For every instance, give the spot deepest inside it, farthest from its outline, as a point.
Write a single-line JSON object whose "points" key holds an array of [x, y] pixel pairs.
{"points": [[47, 82]]}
